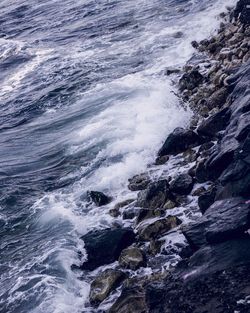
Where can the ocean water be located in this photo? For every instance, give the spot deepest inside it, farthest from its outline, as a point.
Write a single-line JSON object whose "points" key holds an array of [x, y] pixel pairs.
{"points": [[84, 105]]}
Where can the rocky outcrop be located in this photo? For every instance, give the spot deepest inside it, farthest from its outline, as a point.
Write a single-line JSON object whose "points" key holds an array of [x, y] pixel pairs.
{"points": [[138, 182], [104, 246]]}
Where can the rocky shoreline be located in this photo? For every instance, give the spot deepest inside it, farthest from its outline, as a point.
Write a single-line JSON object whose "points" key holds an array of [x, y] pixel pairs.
{"points": [[199, 191]]}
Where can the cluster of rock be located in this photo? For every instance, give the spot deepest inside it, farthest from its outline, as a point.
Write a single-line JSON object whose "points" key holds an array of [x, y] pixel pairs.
{"points": [[214, 153]]}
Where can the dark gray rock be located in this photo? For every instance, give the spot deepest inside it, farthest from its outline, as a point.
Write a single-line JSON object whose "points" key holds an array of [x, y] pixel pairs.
{"points": [[182, 184], [224, 220], [104, 246], [215, 123], [138, 182], [99, 198], [131, 300], [179, 141], [206, 199], [155, 196], [190, 80], [104, 284], [242, 11]]}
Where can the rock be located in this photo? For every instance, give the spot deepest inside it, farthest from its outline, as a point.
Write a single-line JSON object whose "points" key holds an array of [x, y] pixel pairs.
{"points": [[104, 246], [155, 247], [114, 212], [138, 182], [190, 80], [129, 214], [171, 70], [201, 173], [224, 220], [206, 199], [179, 141], [199, 191], [99, 198], [132, 258], [182, 184], [242, 11], [169, 205], [195, 44], [131, 300], [158, 228], [155, 196], [218, 98], [161, 160], [148, 213], [104, 283], [213, 258], [215, 123], [190, 155]]}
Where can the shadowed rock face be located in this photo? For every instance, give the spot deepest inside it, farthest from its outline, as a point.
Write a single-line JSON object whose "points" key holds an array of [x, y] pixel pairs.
{"points": [[104, 246]]}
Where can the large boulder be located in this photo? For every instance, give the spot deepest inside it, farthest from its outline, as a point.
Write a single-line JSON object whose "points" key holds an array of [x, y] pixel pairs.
{"points": [[104, 283], [104, 246], [224, 220], [99, 198], [138, 182], [182, 184], [158, 228], [179, 141], [206, 199], [132, 258], [155, 196]]}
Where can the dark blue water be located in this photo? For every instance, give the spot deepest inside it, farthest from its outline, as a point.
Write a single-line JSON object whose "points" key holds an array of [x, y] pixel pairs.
{"points": [[84, 104]]}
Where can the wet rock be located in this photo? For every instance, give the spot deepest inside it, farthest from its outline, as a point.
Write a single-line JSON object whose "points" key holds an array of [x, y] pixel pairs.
{"points": [[190, 80], [218, 98], [199, 191], [123, 204], [182, 184], [155, 196], [104, 246], [171, 70], [104, 284], [179, 141], [161, 160], [99, 198], [201, 173], [129, 214], [155, 247], [158, 228], [206, 199], [114, 212], [138, 182], [132, 258], [242, 11], [215, 123], [145, 214], [190, 155], [224, 220], [131, 300], [169, 205]]}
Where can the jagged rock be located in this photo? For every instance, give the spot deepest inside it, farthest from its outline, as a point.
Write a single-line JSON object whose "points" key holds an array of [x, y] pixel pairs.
{"points": [[138, 182], [131, 300], [155, 247], [190, 155], [99, 198], [242, 11], [129, 214], [179, 141], [206, 199], [155, 196], [132, 258], [201, 173], [190, 80], [158, 228], [123, 203], [182, 184], [215, 123], [171, 70], [104, 283], [224, 220], [149, 213], [104, 246], [114, 212]]}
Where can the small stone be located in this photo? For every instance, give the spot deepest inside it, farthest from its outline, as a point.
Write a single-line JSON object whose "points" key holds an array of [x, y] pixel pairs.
{"points": [[197, 192], [169, 205], [161, 160]]}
